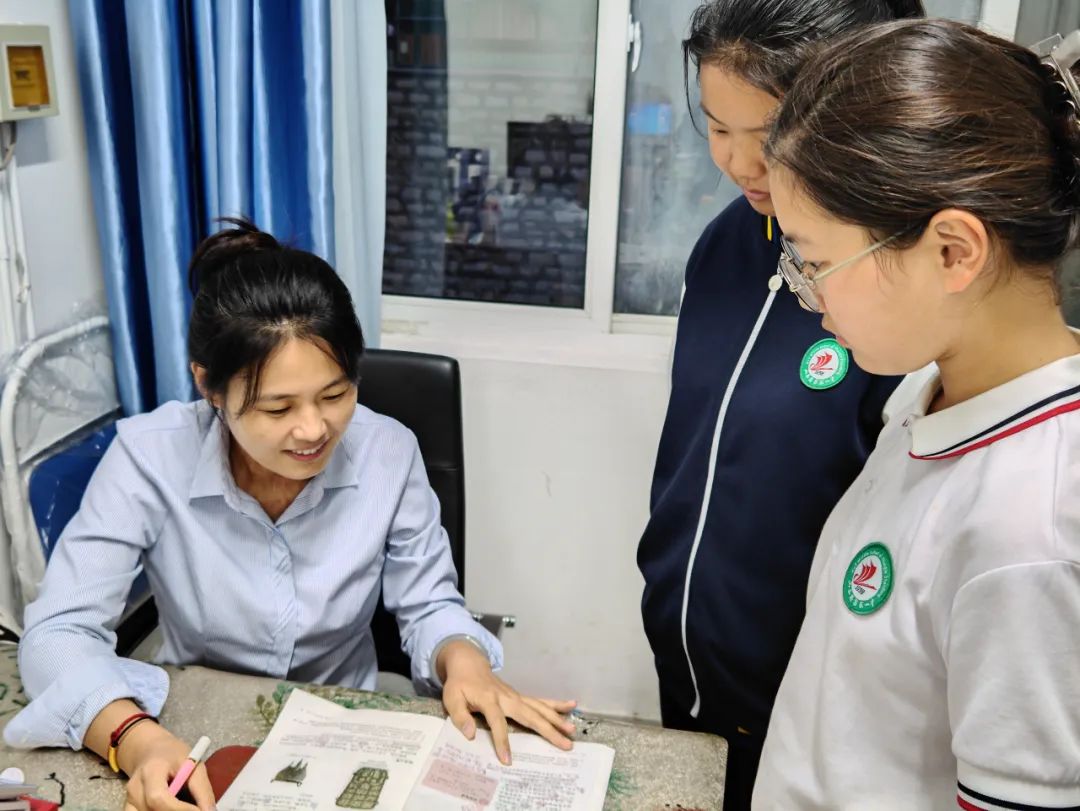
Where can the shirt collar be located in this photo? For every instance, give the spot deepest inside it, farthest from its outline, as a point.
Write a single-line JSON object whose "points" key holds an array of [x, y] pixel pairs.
{"points": [[214, 478], [342, 469], [212, 475], [1008, 409]]}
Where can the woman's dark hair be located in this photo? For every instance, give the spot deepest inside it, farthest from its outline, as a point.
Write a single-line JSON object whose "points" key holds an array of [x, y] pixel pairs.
{"points": [[251, 295], [886, 128], [765, 42]]}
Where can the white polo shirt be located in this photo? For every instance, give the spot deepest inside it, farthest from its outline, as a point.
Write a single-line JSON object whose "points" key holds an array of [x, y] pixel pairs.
{"points": [[939, 662]]}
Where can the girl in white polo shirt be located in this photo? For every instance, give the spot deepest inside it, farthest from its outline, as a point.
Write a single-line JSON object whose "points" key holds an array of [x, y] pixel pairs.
{"points": [[926, 179]]}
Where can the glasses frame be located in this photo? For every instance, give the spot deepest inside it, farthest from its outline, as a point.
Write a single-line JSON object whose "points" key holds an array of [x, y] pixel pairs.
{"points": [[791, 269]]}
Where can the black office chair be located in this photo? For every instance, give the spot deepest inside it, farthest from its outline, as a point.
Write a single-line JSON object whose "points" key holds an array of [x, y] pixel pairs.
{"points": [[423, 393]]}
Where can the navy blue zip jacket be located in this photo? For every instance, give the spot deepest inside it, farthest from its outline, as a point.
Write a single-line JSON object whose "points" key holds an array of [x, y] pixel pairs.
{"points": [[726, 558]]}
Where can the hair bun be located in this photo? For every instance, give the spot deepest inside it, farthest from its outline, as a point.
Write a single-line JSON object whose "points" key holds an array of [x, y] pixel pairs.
{"points": [[223, 248]]}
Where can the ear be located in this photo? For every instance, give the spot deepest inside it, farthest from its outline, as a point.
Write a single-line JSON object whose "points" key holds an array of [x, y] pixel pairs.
{"points": [[198, 373], [962, 245]]}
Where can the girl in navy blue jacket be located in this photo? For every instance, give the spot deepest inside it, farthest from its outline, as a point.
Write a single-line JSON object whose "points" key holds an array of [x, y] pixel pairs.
{"points": [[769, 421]]}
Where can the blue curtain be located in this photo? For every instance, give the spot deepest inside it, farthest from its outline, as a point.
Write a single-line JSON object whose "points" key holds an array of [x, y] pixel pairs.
{"points": [[197, 109], [359, 71]]}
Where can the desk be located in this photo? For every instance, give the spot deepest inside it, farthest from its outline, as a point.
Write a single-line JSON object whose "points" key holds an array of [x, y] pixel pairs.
{"points": [[654, 768]]}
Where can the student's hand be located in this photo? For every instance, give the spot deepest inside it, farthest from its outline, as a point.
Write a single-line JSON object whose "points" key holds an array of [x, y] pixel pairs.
{"points": [[151, 756], [469, 686]]}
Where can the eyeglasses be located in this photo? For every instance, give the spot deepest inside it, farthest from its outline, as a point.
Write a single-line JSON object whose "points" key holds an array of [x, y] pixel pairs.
{"points": [[792, 268]]}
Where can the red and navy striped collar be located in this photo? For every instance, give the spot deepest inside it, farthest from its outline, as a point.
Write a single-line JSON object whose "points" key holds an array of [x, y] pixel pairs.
{"points": [[1039, 395]]}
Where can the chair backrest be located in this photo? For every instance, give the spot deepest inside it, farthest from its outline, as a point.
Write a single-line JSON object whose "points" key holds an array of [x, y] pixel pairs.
{"points": [[55, 490], [57, 484], [423, 393]]}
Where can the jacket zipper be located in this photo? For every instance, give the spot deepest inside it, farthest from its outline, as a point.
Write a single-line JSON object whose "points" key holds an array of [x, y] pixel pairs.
{"points": [[717, 431]]}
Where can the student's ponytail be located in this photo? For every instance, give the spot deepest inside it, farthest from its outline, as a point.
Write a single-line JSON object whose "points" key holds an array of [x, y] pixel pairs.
{"points": [[1062, 99]]}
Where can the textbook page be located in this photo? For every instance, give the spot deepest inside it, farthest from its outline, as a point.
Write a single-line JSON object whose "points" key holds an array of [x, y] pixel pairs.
{"points": [[320, 755], [464, 775]]}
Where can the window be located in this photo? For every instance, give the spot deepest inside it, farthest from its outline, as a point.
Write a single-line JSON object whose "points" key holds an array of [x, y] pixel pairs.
{"points": [[489, 148]]}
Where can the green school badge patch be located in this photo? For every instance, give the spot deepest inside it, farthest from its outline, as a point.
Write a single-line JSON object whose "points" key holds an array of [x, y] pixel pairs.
{"points": [[869, 579], [824, 365]]}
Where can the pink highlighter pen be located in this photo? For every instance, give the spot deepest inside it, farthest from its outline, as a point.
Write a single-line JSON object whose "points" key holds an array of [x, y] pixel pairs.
{"points": [[198, 752]]}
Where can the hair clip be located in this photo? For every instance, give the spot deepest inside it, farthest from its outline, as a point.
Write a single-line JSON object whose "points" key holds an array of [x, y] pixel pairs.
{"points": [[1059, 54]]}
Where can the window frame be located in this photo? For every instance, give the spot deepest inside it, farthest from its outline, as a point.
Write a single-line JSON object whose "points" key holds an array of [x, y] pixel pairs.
{"points": [[593, 333]]}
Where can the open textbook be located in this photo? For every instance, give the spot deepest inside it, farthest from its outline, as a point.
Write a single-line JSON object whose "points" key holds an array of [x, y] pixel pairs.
{"points": [[322, 756]]}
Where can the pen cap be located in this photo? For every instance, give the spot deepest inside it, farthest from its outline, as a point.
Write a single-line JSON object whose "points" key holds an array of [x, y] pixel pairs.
{"points": [[198, 752]]}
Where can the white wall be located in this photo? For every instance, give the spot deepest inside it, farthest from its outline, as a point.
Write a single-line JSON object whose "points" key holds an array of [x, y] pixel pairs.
{"points": [[558, 463], [62, 247]]}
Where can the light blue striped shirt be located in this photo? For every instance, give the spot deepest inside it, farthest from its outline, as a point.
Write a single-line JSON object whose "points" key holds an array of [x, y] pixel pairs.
{"points": [[234, 590]]}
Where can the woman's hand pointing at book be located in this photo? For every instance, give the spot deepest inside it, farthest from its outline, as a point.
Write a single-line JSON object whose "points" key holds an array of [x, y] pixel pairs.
{"points": [[469, 686]]}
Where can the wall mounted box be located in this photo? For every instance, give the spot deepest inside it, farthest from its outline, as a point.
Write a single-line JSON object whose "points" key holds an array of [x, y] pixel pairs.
{"points": [[27, 79]]}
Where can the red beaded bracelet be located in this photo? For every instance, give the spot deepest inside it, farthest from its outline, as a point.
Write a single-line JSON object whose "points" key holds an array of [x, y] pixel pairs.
{"points": [[120, 732]]}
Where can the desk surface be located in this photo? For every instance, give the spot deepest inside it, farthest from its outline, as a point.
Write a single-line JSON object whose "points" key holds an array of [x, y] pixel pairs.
{"points": [[654, 768]]}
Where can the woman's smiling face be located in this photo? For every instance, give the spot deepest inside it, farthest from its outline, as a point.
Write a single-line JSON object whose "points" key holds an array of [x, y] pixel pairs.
{"points": [[304, 405]]}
